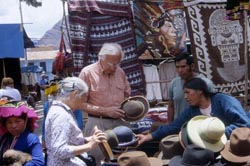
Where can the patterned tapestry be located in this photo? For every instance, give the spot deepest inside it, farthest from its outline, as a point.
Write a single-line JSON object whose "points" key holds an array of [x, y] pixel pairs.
{"points": [[94, 22], [218, 45], [160, 28]]}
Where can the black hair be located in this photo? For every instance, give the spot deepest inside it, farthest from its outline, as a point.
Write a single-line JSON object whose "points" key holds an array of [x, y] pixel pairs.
{"points": [[22, 116], [198, 84], [184, 55]]}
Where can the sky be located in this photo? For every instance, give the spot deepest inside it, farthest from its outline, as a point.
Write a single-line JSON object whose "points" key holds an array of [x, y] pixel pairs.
{"points": [[36, 20]]}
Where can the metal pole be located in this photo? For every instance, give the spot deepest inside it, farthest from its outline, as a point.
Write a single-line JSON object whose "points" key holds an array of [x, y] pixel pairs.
{"points": [[246, 57], [21, 14], [4, 72], [21, 29]]}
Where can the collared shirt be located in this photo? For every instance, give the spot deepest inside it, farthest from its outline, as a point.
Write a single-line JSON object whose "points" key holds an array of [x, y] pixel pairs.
{"points": [[105, 90], [62, 132]]}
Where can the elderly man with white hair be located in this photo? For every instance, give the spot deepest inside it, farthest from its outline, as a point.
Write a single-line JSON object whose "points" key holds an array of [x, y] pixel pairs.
{"points": [[108, 87], [65, 142]]}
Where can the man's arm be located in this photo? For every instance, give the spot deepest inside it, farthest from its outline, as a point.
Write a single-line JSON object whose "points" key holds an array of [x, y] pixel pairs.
{"points": [[113, 112]]}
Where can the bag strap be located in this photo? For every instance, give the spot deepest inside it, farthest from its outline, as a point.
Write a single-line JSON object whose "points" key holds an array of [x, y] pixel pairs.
{"points": [[61, 105], [62, 46]]}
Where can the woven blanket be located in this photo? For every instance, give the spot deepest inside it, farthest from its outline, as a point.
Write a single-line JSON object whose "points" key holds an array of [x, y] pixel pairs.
{"points": [[218, 46], [93, 23]]}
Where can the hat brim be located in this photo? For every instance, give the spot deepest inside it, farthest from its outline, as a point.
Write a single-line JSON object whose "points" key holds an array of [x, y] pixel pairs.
{"points": [[229, 156], [146, 106], [183, 136], [119, 150], [134, 141], [195, 138], [106, 150]]}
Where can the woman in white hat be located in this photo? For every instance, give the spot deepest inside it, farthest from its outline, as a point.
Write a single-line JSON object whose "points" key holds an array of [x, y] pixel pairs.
{"points": [[65, 142]]}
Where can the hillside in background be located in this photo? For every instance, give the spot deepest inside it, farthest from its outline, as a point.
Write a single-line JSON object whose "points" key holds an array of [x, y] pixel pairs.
{"points": [[53, 36]]}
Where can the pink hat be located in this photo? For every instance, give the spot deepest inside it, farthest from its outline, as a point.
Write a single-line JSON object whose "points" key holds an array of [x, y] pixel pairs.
{"points": [[17, 109]]}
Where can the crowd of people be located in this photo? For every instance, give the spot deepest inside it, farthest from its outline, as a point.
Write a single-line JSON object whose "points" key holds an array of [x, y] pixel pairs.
{"points": [[216, 125]]}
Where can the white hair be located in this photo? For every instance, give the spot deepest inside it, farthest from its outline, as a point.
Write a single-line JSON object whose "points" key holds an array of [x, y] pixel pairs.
{"points": [[69, 84], [111, 49]]}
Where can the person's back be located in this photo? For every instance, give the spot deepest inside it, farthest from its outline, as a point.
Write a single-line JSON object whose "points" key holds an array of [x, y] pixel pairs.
{"points": [[8, 90]]}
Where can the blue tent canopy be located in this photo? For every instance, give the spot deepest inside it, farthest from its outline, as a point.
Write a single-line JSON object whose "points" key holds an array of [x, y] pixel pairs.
{"points": [[11, 41]]}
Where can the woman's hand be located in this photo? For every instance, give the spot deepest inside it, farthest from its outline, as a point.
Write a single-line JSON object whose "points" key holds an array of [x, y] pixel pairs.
{"points": [[143, 138], [97, 137]]}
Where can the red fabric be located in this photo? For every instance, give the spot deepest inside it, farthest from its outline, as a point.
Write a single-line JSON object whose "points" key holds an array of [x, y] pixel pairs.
{"points": [[58, 63]]}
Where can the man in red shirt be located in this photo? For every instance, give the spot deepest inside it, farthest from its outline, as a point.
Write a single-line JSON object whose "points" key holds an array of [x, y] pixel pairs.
{"points": [[108, 87]]}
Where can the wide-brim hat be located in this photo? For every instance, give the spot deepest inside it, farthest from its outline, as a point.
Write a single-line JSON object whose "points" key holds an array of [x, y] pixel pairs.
{"points": [[194, 155], [135, 108], [169, 147], [11, 94], [137, 158], [207, 132], [17, 109], [43, 74], [237, 149]]}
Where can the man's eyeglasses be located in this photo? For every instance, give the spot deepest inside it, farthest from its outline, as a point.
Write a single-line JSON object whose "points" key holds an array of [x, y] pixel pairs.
{"points": [[112, 64]]}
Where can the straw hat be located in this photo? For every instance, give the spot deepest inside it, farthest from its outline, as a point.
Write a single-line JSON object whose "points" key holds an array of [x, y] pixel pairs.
{"points": [[237, 149], [135, 108], [207, 132], [137, 158]]}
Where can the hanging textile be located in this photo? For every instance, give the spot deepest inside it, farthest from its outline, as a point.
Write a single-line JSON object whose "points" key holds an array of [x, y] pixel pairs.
{"points": [[235, 8], [94, 22], [160, 28], [218, 45]]}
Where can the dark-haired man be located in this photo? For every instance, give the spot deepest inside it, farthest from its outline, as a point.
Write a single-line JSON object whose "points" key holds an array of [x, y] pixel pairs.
{"points": [[185, 68]]}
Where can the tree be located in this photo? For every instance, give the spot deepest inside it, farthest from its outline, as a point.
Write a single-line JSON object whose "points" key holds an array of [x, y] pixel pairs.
{"points": [[33, 3]]}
